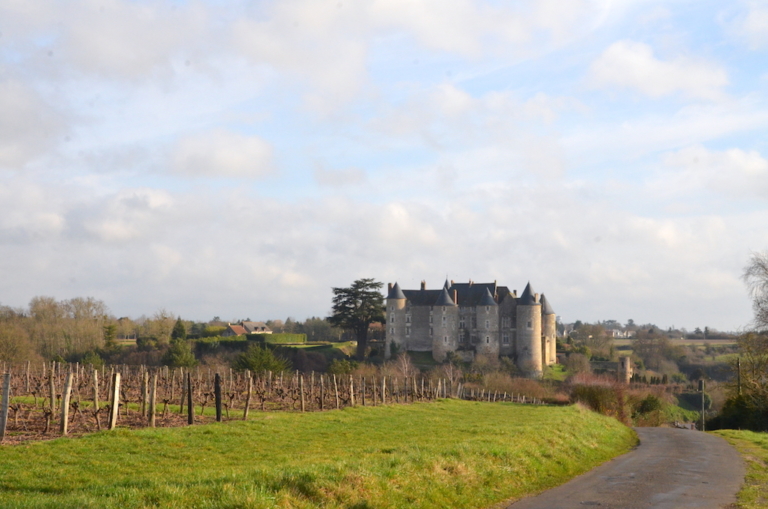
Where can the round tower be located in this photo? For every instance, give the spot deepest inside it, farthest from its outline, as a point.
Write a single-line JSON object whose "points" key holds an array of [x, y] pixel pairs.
{"points": [[487, 313], [529, 354], [625, 369], [396, 320], [445, 315], [548, 332]]}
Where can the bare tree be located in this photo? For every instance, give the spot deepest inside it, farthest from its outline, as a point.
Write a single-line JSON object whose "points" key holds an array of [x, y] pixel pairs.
{"points": [[756, 277]]}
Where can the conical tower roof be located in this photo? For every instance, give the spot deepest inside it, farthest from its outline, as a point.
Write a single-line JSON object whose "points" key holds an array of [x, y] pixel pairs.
{"points": [[444, 299], [546, 309], [487, 299], [447, 285], [396, 292], [527, 299]]}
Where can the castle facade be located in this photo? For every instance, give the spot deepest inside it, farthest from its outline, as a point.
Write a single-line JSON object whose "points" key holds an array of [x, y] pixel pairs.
{"points": [[472, 319]]}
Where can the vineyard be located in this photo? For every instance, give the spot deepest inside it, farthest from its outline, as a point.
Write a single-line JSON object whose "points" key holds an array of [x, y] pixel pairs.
{"points": [[55, 399]]}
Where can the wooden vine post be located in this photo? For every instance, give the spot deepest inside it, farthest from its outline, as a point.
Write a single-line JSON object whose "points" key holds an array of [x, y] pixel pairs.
{"points": [[301, 390], [336, 390], [248, 397], [65, 404], [95, 390], [153, 400], [351, 390], [190, 408], [115, 401], [217, 395], [4, 404], [52, 388]]}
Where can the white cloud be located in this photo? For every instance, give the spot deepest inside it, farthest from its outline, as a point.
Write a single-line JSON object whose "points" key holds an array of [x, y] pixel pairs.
{"points": [[338, 178], [28, 126], [752, 24], [221, 153], [734, 172], [632, 65]]}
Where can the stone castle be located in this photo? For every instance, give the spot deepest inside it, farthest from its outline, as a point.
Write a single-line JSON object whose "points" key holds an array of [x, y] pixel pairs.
{"points": [[473, 319]]}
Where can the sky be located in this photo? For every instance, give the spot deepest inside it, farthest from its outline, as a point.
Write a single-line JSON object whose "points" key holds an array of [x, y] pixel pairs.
{"points": [[240, 159]]}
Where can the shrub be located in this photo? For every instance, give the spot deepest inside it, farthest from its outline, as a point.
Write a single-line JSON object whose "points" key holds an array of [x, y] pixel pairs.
{"points": [[258, 360], [342, 367], [92, 358]]}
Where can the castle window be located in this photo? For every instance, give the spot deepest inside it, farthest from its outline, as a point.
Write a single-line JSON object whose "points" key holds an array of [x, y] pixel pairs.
{"points": [[443, 309], [430, 331], [407, 331], [530, 324], [505, 321], [462, 323], [505, 339], [445, 339], [474, 322], [407, 318], [443, 321], [430, 318], [392, 331], [462, 336], [487, 340], [487, 324], [487, 309], [392, 319]]}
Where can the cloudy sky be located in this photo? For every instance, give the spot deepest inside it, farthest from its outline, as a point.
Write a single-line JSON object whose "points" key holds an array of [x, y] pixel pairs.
{"points": [[240, 159]]}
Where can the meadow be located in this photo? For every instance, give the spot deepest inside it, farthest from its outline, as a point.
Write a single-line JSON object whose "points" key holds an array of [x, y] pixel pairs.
{"points": [[754, 449], [448, 453]]}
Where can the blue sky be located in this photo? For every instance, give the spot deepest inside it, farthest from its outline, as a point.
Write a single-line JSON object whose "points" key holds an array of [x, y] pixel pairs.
{"points": [[239, 159]]}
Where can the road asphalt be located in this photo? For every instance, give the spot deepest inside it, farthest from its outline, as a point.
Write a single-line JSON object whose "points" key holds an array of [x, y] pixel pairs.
{"points": [[670, 469]]}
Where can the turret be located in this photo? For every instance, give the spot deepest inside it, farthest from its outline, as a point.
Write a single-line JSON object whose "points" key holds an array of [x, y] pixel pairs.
{"points": [[548, 332], [487, 313], [625, 369], [396, 322], [529, 352], [445, 317]]}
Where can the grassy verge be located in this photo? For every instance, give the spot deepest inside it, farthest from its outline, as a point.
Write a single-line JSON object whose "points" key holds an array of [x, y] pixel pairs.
{"points": [[754, 448], [445, 454]]}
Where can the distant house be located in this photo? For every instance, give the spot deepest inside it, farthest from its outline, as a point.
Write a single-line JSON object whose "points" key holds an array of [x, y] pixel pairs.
{"points": [[234, 330], [256, 328]]}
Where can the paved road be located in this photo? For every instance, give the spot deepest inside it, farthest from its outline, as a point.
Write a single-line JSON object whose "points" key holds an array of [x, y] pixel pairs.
{"points": [[670, 469]]}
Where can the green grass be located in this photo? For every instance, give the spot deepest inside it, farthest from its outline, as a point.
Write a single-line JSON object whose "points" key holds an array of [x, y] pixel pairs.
{"points": [[444, 454], [754, 448]]}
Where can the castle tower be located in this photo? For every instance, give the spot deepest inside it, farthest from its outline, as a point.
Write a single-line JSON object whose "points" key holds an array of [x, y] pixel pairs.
{"points": [[548, 332], [625, 369], [487, 313], [529, 354], [445, 317], [396, 322]]}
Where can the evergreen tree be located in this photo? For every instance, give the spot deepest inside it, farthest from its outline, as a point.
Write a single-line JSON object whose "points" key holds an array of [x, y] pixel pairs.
{"points": [[179, 331], [356, 308], [259, 360], [179, 355]]}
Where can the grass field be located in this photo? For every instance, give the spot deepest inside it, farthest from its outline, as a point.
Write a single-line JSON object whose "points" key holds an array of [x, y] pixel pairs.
{"points": [[445, 454], [754, 448]]}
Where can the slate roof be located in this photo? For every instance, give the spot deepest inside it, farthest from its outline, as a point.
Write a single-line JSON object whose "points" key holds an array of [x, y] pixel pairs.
{"points": [[423, 297], [546, 309], [527, 299], [473, 294], [259, 327], [487, 299], [396, 292], [444, 299]]}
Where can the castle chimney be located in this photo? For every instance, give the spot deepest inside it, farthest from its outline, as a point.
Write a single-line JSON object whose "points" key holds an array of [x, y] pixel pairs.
{"points": [[451, 282], [389, 286], [423, 285], [456, 297], [470, 282], [514, 293], [536, 297]]}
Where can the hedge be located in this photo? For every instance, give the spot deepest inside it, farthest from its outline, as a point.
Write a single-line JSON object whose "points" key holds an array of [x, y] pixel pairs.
{"points": [[281, 338]]}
